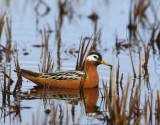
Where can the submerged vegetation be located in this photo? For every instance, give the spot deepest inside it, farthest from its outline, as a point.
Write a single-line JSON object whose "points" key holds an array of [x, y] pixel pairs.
{"points": [[120, 99]]}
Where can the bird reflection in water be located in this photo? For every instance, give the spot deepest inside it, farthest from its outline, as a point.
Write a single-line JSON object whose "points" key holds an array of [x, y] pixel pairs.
{"points": [[89, 97]]}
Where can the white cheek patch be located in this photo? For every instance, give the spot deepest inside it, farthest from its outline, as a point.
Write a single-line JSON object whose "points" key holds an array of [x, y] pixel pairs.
{"points": [[92, 58]]}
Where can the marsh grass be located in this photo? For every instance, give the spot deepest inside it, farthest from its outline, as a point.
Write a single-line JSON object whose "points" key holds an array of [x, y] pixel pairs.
{"points": [[85, 47], [5, 23], [143, 60], [7, 82], [127, 108], [137, 16], [58, 27], [45, 36], [8, 108], [47, 63], [121, 45], [7, 78]]}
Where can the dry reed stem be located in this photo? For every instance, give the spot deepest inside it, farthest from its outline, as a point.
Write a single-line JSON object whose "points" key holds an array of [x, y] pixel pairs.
{"points": [[121, 85], [2, 22], [19, 81], [108, 101], [54, 114], [157, 106], [84, 50], [115, 107], [125, 96], [140, 54], [117, 79], [10, 81], [73, 111], [145, 110], [150, 103], [134, 72], [112, 85], [147, 54], [4, 86], [8, 34], [47, 62]]}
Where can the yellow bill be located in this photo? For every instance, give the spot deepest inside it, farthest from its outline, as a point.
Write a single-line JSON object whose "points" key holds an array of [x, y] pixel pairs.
{"points": [[105, 63]]}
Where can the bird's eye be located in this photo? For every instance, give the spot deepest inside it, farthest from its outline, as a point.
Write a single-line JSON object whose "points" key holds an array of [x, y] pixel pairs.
{"points": [[95, 57]]}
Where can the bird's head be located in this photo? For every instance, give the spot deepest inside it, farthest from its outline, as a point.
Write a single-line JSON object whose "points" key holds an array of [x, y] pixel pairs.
{"points": [[96, 58]]}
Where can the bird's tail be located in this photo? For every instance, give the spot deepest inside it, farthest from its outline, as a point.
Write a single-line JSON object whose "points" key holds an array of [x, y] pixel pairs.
{"points": [[25, 73]]}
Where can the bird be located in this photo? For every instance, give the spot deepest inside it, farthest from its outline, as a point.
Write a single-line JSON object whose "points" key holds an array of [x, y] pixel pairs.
{"points": [[71, 79]]}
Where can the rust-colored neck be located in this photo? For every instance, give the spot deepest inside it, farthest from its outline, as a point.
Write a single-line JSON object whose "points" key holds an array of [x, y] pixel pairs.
{"points": [[92, 78], [90, 66]]}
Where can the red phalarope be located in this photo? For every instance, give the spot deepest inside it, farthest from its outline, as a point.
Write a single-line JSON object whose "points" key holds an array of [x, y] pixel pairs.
{"points": [[70, 79]]}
